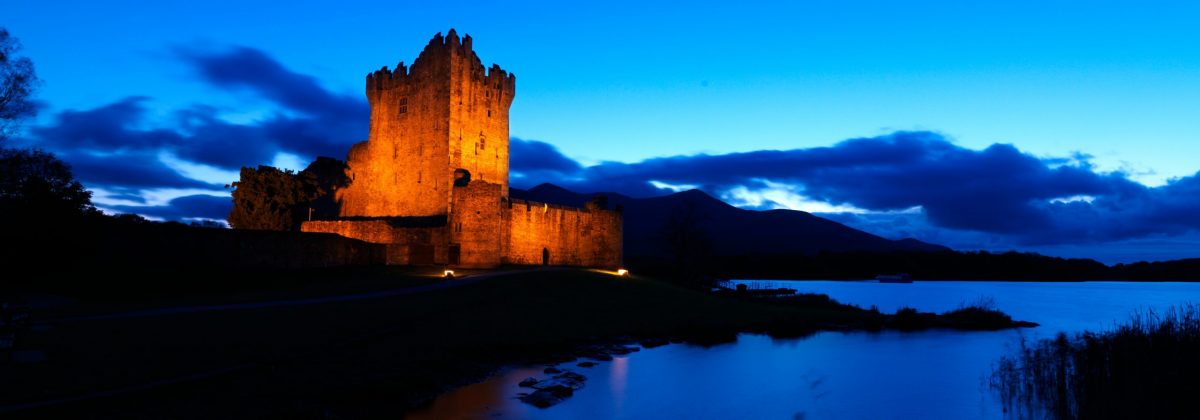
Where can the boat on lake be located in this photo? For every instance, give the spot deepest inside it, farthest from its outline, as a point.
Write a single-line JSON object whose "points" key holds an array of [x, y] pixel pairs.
{"points": [[894, 278]]}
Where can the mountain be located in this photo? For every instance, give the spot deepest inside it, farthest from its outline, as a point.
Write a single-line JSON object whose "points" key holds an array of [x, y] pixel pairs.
{"points": [[730, 230]]}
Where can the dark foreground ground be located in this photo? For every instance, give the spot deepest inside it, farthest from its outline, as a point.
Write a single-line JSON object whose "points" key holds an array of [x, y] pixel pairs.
{"points": [[374, 356]]}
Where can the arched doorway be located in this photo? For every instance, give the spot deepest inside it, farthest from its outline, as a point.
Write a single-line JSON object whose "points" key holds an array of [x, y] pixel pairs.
{"points": [[545, 256]]}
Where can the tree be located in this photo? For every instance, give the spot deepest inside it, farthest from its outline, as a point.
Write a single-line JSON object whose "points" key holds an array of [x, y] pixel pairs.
{"points": [[685, 237], [17, 83], [330, 175], [36, 184], [268, 198]]}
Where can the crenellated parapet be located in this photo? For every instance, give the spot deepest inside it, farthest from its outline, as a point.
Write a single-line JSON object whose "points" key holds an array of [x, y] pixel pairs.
{"points": [[442, 52]]}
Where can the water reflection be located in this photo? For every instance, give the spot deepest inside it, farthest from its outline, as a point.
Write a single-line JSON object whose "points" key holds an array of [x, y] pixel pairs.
{"points": [[618, 371], [492, 398], [930, 374]]}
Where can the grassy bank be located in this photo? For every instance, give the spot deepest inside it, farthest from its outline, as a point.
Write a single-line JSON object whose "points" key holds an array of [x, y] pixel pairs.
{"points": [[1145, 368], [380, 356]]}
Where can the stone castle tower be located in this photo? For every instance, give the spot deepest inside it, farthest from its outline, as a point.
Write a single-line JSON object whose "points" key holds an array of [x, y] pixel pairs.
{"points": [[431, 180], [445, 114]]}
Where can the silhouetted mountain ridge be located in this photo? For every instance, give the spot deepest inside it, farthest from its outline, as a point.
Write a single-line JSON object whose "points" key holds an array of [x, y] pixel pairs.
{"points": [[732, 231]]}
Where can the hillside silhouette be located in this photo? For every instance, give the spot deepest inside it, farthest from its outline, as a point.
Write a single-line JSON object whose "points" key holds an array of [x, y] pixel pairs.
{"points": [[731, 231], [724, 241]]}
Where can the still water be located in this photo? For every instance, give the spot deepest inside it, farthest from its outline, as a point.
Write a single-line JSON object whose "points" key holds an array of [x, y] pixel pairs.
{"points": [[859, 375]]}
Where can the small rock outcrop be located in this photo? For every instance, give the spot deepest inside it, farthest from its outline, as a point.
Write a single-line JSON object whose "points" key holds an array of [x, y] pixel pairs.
{"points": [[554, 390]]}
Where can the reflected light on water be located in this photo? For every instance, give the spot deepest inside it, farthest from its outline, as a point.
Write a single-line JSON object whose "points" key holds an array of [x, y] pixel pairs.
{"points": [[619, 373], [488, 399]]}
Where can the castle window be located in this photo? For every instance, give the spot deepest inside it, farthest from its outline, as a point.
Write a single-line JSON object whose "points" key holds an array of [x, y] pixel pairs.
{"points": [[489, 113], [404, 105], [482, 141]]}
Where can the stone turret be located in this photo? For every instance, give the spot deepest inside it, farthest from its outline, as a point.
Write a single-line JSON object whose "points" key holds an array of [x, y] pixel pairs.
{"points": [[443, 113]]}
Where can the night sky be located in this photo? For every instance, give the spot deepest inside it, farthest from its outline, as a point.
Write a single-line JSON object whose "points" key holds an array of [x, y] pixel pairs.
{"points": [[1041, 126]]}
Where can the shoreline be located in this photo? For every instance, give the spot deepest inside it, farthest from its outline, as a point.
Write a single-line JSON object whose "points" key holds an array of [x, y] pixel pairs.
{"points": [[394, 354]]}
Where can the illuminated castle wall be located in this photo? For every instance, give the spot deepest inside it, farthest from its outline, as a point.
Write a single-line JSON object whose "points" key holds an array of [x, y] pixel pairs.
{"points": [[431, 181]]}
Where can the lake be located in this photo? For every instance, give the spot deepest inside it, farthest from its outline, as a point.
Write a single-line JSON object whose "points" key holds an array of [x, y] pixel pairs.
{"points": [[858, 375]]}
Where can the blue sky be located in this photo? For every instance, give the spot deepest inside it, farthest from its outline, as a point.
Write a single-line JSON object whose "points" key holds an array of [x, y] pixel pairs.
{"points": [[1112, 86]]}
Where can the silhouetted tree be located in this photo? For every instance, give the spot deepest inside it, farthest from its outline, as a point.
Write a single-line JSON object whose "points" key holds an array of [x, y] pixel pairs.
{"points": [[268, 198], [44, 211], [330, 175], [37, 185], [17, 82], [687, 241]]}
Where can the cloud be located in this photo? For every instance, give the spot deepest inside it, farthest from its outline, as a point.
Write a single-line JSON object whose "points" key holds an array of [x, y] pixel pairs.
{"points": [[248, 68], [124, 148], [187, 207], [119, 145], [534, 160], [996, 195], [110, 128], [128, 170], [323, 123], [533, 155]]}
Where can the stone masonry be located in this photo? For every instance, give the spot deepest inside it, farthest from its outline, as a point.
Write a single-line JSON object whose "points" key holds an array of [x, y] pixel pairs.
{"points": [[431, 180]]}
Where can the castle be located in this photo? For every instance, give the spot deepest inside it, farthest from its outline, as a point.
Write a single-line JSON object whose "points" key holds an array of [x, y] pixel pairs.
{"points": [[431, 180]]}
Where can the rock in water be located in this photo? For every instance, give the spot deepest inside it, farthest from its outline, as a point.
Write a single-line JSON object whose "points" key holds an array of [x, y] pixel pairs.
{"points": [[554, 390], [549, 396]]}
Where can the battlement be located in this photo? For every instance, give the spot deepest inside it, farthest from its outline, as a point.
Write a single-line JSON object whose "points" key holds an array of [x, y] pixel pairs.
{"points": [[439, 51], [529, 205]]}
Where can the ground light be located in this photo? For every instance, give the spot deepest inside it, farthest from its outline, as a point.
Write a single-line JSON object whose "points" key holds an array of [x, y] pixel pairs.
{"points": [[622, 272], [448, 274]]}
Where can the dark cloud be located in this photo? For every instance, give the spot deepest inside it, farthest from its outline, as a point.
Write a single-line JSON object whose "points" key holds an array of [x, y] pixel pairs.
{"points": [[535, 160], [111, 128], [1125, 212], [118, 146], [328, 123], [128, 170], [212, 141], [536, 156], [181, 208], [999, 190], [254, 70]]}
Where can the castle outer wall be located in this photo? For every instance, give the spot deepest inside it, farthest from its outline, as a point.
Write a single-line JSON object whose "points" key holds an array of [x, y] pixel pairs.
{"points": [[486, 232], [587, 237]]}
